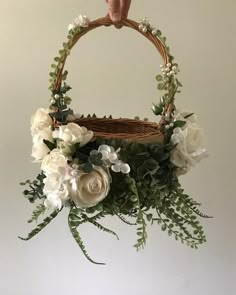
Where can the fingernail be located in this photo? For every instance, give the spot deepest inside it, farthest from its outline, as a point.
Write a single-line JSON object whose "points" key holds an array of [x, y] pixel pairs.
{"points": [[115, 17]]}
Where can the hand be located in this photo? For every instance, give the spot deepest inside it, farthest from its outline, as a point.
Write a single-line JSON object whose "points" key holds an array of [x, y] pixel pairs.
{"points": [[118, 9]]}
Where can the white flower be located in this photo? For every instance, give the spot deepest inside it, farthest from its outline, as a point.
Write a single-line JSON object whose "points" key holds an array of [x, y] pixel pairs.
{"points": [[40, 150], [190, 147], [56, 190], [81, 21], [55, 162], [108, 153], [121, 167], [73, 133], [110, 156], [88, 189], [53, 202], [40, 120]]}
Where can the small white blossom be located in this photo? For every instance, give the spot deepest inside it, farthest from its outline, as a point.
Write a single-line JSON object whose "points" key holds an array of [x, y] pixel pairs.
{"points": [[121, 167], [110, 156], [108, 153], [80, 21]]}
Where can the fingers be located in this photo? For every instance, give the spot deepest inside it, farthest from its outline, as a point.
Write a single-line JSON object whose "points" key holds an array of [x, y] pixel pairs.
{"points": [[114, 10], [125, 6]]}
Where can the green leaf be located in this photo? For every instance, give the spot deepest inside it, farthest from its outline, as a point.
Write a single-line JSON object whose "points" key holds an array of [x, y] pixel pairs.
{"points": [[49, 144], [178, 83], [163, 228], [88, 168], [134, 198], [157, 109], [159, 78], [179, 123], [64, 75], [57, 59], [160, 86], [149, 217], [189, 115]]}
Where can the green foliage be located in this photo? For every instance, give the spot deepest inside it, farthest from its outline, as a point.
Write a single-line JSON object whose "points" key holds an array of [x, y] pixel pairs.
{"points": [[122, 218], [141, 229], [34, 190], [73, 222], [40, 209], [49, 144], [179, 123], [41, 226], [152, 186], [99, 226]]}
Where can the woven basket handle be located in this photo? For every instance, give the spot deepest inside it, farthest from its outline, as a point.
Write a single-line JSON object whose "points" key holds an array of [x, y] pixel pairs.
{"points": [[106, 21]]}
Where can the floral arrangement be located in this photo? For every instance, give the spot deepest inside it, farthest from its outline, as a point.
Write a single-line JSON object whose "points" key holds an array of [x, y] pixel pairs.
{"points": [[94, 177]]}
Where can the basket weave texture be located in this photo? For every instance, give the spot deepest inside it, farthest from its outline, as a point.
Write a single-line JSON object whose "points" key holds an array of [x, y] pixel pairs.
{"points": [[127, 129]]}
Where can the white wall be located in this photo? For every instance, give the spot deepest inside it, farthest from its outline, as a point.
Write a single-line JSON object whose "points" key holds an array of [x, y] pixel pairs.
{"points": [[113, 71]]}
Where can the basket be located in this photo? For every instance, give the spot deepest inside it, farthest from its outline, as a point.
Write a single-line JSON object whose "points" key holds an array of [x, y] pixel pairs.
{"points": [[123, 128], [126, 168]]}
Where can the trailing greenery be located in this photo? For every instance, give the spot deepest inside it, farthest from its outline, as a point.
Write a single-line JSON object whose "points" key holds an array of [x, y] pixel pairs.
{"points": [[152, 186], [41, 226], [74, 221], [34, 189], [149, 193], [40, 209]]}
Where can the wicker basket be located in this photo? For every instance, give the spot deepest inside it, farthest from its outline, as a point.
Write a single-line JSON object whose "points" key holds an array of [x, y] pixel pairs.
{"points": [[127, 129]]}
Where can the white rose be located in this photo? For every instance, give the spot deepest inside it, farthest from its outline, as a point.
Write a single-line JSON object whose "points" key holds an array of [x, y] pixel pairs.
{"points": [[73, 133], [40, 150], [40, 120], [88, 189], [190, 147], [55, 162]]}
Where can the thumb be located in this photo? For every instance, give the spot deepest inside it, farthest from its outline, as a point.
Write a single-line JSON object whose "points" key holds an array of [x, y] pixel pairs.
{"points": [[114, 10]]}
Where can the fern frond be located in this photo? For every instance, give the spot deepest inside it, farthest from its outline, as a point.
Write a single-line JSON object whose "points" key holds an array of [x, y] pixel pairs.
{"points": [[41, 226], [78, 239], [103, 228], [141, 230], [40, 209], [199, 213], [122, 218]]}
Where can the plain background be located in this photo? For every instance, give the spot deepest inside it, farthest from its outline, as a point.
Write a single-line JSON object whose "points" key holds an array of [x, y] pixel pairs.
{"points": [[112, 71]]}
